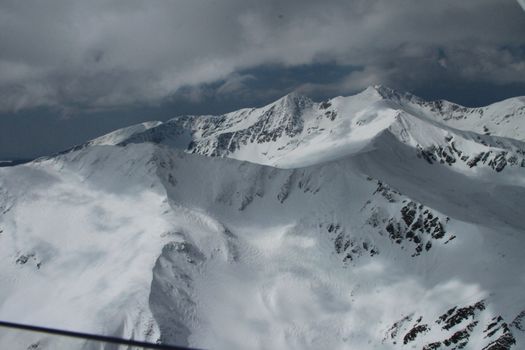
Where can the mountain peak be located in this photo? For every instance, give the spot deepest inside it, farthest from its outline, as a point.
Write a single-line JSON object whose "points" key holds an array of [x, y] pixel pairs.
{"points": [[294, 98], [384, 90], [277, 132], [389, 93]]}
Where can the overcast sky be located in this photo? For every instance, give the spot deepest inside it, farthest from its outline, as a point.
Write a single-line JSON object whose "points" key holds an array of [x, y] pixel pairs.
{"points": [[70, 70]]}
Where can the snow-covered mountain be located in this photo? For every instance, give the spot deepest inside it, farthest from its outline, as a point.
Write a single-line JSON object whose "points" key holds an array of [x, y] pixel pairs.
{"points": [[375, 221]]}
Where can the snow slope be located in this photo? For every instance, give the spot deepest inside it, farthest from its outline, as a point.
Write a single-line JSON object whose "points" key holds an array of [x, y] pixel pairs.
{"points": [[123, 134], [294, 131], [369, 222]]}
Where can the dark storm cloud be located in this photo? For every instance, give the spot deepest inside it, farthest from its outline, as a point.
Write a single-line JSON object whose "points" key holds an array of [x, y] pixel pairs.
{"points": [[105, 54]]}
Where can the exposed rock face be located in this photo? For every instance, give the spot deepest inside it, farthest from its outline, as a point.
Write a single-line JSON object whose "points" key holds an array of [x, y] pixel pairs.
{"points": [[350, 247], [171, 290], [459, 324], [373, 221], [450, 153], [414, 226]]}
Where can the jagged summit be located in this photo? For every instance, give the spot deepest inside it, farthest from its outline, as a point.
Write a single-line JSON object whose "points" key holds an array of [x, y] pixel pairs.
{"points": [[293, 98], [395, 95], [372, 221], [295, 131]]}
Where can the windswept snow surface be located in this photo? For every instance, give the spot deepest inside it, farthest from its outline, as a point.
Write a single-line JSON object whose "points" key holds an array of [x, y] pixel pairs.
{"points": [[117, 136], [375, 221]]}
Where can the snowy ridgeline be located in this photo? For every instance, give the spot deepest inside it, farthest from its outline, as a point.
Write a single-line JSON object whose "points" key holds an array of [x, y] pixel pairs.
{"points": [[375, 221]]}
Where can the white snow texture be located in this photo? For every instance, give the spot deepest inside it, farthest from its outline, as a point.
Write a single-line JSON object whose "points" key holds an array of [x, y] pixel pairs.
{"points": [[374, 221]]}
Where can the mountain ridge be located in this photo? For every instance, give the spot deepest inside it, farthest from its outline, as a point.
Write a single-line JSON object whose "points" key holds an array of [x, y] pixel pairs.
{"points": [[325, 126], [349, 223]]}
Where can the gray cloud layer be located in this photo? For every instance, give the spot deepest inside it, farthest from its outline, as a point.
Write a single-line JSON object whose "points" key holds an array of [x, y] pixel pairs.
{"points": [[103, 54]]}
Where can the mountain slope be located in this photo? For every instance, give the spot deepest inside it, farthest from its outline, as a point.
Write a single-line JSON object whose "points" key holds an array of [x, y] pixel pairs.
{"points": [[362, 227], [378, 126], [294, 131], [504, 118]]}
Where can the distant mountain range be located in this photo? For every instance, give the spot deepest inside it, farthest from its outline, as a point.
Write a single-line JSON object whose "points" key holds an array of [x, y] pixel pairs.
{"points": [[374, 221]]}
